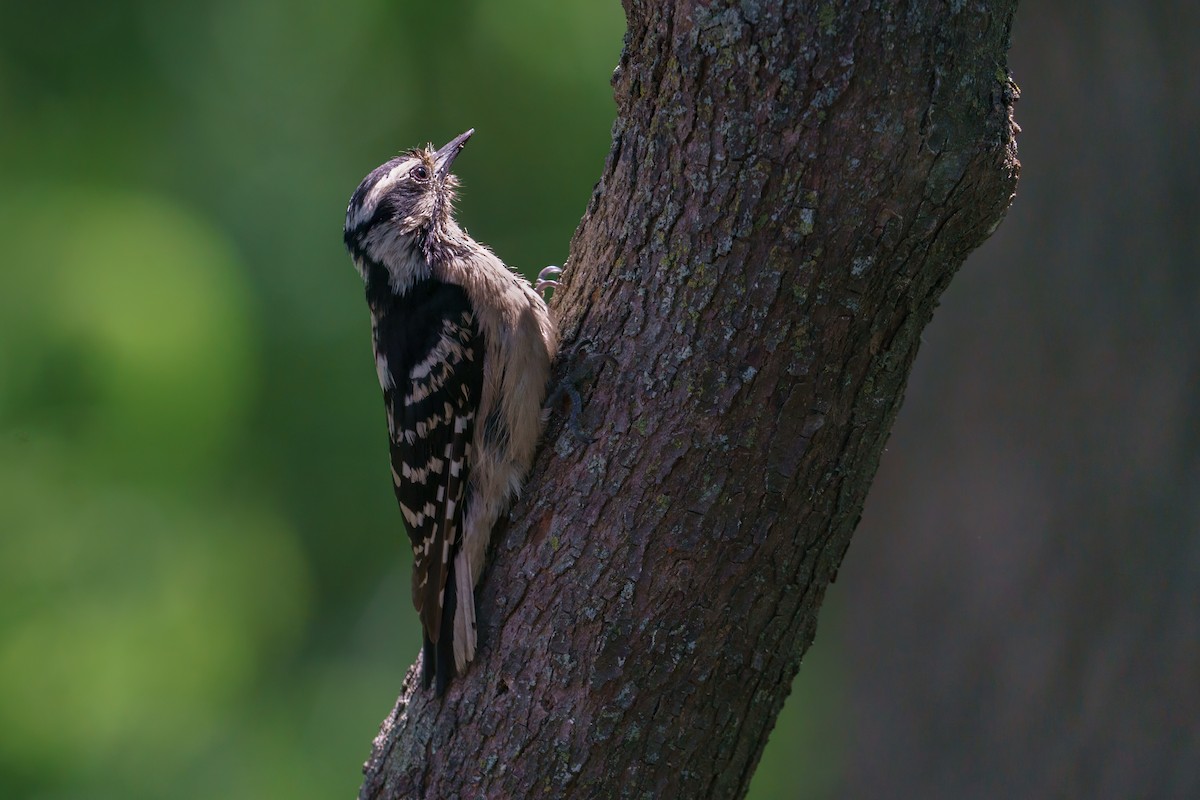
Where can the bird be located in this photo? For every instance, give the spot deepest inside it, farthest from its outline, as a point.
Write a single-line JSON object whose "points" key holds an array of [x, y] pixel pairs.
{"points": [[463, 347]]}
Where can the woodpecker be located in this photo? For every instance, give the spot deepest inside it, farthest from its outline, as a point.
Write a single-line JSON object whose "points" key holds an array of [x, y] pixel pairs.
{"points": [[463, 346]]}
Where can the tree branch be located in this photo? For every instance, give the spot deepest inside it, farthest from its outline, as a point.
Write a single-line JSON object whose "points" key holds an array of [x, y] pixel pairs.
{"points": [[789, 191]]}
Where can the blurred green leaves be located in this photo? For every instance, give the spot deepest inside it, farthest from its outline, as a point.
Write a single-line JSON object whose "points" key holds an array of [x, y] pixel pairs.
{"points": [[132, 319], [135, 602], [539, 33], [130, 626]]}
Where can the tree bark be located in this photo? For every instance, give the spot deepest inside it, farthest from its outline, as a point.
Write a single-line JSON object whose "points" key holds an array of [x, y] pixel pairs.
{"points": [[791, 187]]}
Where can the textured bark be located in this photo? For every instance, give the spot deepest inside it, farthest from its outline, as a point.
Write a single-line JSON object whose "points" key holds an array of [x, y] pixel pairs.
{"points": [[791, 187]]}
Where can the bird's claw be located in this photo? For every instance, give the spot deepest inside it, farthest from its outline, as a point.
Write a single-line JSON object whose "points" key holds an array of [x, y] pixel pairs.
{"points": [[568, 394], [547, 280], [585, 372]]}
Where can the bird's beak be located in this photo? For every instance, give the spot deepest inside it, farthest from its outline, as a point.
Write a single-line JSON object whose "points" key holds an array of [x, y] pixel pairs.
{"points": [[443, 158]]}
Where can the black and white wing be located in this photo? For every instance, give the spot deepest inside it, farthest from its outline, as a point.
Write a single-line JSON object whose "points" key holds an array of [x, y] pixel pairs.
{"points": [[429, 354]]}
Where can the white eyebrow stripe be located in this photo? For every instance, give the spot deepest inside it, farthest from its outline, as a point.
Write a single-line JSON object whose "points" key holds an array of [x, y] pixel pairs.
{"points": [[381, 188]]}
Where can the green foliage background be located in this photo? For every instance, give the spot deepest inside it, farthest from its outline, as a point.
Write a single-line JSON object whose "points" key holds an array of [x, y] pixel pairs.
{"points": [[203, 581]]}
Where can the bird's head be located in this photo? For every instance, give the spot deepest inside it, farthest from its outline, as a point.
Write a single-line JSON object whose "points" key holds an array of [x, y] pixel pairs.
{"points": [[403, 204]]}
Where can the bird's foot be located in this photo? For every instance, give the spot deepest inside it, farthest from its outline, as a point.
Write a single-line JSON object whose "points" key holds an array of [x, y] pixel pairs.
{"points": [[547, 280], [584, 373], [567, 394]]}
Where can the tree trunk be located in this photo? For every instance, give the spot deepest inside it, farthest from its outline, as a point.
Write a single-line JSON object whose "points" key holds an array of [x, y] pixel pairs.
{"points": [[791, 187]]}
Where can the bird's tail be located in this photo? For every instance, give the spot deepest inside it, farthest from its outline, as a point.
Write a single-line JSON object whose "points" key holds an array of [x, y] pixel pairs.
{"points": [[440, 656], [464, 619]]}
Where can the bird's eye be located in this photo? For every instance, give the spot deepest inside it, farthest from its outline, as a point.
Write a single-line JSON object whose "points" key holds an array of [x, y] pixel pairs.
{"points": [[421, 172]]}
